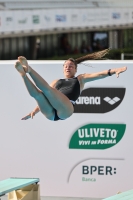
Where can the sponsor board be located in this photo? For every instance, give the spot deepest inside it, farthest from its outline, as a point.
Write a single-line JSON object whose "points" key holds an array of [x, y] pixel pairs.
{"points": [[126, 15], [116, 15], [97, 136], [95, 170], [36, 19], [22, 21], [60, 18], [9, 20], [90, 172], [99, 100], [47, 18], [74, 17]]}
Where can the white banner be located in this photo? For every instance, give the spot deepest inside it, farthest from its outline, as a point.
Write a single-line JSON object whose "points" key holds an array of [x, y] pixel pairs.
{"points": [[73, 17], [36, 19], [48, 19], [87, 155], [26, 21], [8, 21], [22, 20], [18, 18], [2, 21]]}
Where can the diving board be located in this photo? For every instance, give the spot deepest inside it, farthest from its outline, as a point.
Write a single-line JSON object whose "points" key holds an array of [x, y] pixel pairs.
{"points": [[12, 184], [128, 195]]}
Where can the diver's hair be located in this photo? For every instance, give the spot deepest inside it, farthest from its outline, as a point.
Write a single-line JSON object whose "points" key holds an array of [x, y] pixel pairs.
{"points": [[92, 56]]}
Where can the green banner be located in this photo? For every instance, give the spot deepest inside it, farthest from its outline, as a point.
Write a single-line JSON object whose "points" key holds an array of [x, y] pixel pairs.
{"points": [[97, 136]]}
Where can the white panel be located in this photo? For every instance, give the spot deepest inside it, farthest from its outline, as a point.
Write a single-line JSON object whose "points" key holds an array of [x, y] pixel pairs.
{"points": [[18, 18], [40, 148], [48, 17], [116, 16], [2, 21], [61, 18], [105, 17], [22, 20], [74, 19], [8, 21], [87, 18], [26, 21], [36, 18]]}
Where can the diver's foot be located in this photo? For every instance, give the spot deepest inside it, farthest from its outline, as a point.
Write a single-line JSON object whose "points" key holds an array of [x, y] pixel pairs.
{"points": [[20, 68], [24, 62]]}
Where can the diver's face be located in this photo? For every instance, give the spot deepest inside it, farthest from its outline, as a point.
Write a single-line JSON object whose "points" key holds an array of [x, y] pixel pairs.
{"points": [[69, 69]]}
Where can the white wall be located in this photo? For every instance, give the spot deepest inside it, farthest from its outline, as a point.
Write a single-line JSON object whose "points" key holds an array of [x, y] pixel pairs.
{"points": [[40, 148]]}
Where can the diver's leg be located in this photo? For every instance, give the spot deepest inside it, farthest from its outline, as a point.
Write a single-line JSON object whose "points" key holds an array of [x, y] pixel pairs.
{"points": [[58, 100], [43, 103]]}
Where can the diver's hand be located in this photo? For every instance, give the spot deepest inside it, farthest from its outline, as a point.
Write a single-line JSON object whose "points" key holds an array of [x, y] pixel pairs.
{"points": [[120, 70], [30, 115]]}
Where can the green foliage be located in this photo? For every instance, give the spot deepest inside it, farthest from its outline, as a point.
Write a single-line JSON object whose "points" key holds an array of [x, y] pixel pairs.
{"points": [[114, 54]]}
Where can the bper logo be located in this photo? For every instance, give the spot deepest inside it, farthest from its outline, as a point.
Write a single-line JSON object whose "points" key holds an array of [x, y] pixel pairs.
{"points": [[95, 169], [99, 170], [99, 100]]}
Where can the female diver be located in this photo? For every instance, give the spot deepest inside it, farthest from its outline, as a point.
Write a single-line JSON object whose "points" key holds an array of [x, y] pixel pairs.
{"points": [[56, 101]]}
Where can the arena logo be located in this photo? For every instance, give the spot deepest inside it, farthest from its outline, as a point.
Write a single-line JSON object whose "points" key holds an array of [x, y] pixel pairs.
{"points": [[99, 100], [97, 136]]}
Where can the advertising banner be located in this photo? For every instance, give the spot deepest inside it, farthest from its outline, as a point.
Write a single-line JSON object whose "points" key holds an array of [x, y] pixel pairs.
{"points": [[74, 19], [116, 16], [48, 19], [8, 21], [2, 21], [61, 18], [26, 21], [87, 155], [105, 17], [19, 18], [36, 17]]}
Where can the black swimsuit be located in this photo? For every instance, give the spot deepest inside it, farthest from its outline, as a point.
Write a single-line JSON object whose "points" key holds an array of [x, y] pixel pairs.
{"points": [[69, 87]]}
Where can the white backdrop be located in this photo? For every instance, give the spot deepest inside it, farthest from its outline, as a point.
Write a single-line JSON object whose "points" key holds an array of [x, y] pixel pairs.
{"points": [[49, 19], [40, 148]]}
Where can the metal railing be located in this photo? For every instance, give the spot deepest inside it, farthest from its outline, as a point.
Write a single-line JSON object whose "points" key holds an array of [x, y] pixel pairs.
{"points": [[125, 54]]}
